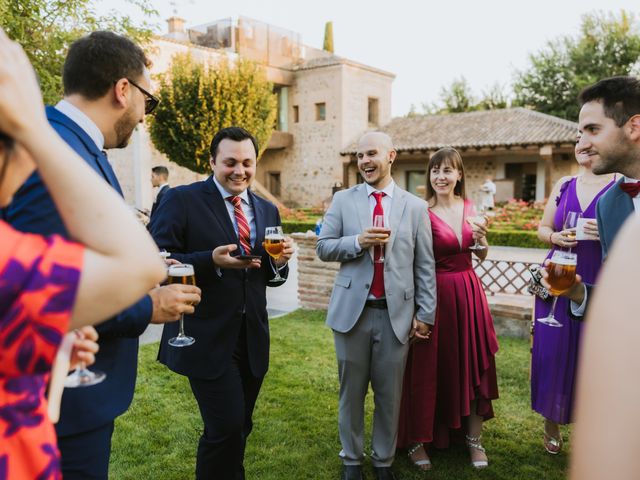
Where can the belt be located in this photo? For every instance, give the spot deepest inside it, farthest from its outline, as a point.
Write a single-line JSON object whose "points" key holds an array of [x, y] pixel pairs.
{"points": [[379, 303]]}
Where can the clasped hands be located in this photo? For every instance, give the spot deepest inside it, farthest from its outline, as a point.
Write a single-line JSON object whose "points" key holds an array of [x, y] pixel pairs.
{"points": [[419, 330]]}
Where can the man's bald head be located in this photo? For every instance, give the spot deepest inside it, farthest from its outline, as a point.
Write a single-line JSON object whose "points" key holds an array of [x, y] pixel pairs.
{"points": [[379, 139], [375, 156]]}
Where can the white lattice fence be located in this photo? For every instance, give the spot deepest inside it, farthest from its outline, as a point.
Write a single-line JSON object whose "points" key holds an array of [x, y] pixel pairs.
{"points": [[503, 276]]}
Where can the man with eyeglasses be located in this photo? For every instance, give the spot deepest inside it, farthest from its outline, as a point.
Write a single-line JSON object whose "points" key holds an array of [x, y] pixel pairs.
{"points": [[106, 95]]}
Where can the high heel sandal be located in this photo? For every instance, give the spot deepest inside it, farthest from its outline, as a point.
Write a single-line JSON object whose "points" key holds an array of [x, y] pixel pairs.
{"points": [[424, 464], [474, 442], [552, 444]]}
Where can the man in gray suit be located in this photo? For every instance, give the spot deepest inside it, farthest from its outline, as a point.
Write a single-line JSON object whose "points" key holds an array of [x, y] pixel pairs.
{"points": [[609, 125], [384, 294]]}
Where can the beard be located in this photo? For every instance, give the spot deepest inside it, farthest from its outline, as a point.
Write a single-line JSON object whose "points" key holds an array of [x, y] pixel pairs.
{"points": [[124, 128], [617, 158]]}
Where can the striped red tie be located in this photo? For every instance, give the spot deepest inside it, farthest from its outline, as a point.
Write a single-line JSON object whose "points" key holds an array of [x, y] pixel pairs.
{"points": [[377, 285], [244, 232]]}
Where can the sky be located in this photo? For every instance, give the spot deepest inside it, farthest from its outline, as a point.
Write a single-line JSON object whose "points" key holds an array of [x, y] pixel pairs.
{"points": [[426, 44]]}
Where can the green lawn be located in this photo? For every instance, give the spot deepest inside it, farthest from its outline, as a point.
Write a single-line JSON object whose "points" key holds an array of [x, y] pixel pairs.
{"points": [[295, 433]]}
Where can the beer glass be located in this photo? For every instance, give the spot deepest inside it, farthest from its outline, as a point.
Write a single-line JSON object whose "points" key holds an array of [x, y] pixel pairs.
{"points": [[562, 276], [481, 219], [82, 376], [274, 244], [378, 222], [181, 273]]}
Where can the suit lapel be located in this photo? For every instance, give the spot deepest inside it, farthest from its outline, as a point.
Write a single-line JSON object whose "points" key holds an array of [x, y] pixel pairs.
{"points": [[623, 208], [100, 164], [259, 217], [216, 204], [361, 201], [398, 203]]}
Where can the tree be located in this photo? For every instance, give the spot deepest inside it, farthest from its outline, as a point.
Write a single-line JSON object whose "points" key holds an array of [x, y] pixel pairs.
{"points": [[197, 100], [607, 45], [328, 37], [45, 28]]}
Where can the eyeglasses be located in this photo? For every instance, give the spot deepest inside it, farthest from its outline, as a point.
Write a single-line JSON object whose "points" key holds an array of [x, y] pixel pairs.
{"points": [[150, 101]]}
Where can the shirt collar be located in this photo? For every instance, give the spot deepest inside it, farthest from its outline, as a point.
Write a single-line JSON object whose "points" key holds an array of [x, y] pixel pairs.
{"points": [[630, 180], [244, 195], [388, 190], [166, 184], [83, 121]]}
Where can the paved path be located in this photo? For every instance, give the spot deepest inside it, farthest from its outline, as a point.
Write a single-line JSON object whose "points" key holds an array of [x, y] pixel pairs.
{"points": [[280, 300]]}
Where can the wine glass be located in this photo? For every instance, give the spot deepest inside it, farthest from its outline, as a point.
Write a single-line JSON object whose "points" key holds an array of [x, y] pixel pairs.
{"points": [[562, 275], [274, 244], [378, 222], [182, 273], [571, 224], [82, 376], [481, 219]]}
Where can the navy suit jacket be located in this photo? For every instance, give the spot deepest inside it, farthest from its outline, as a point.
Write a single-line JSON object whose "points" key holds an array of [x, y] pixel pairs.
{"points": [[32, 210], [191, 221], [159, 197], [612, 209]]}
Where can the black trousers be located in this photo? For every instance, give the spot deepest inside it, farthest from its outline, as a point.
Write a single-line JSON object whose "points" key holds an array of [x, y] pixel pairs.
{"points": [[85, 456], [226, 405]]}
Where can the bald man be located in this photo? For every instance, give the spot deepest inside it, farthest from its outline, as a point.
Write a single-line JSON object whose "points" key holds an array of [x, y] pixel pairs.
{"points": [[384, 294]]}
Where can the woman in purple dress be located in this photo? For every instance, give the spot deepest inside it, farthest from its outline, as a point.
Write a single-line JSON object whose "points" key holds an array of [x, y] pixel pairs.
{"points": [[555, 349]]}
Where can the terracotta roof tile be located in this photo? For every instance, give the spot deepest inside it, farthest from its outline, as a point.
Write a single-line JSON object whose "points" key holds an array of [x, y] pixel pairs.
{"points": [[488, 128]]}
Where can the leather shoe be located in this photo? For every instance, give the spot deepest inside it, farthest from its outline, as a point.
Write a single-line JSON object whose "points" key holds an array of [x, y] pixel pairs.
{"points": [[351, 472], [384, 473]]}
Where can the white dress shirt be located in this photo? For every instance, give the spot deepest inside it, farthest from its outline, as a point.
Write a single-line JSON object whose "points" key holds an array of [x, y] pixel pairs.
{"points": [[386, 204], [247, 209]]}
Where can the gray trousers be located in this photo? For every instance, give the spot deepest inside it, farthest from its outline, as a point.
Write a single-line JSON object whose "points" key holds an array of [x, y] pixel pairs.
{"points": [[370, 352]]}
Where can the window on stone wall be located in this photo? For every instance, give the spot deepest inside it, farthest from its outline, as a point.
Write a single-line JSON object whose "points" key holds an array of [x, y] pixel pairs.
{"points": [[373, 112], [321, 112], [416, 182], [274, 183], [296, 114]]}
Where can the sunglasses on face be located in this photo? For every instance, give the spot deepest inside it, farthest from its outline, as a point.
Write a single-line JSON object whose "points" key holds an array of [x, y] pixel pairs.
{"points": [[150, 101]]}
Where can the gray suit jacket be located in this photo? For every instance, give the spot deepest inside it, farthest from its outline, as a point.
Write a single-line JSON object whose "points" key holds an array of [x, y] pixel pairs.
{"points": [[612, 209], [409, 271]]}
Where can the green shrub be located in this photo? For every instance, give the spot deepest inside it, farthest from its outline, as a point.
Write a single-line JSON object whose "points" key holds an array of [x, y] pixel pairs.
{"points": [[515, 238], [297, 226]]}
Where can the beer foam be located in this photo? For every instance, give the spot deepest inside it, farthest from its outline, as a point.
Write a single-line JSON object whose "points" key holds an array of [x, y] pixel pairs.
{"points": [[563, 260], [183, 270], [274, 237]]}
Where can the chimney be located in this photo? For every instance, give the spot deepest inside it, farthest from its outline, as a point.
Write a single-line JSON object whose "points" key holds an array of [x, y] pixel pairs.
{"points": [[176, 28]]}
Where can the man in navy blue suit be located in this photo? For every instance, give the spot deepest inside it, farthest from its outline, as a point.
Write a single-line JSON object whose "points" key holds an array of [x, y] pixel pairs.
{"points": [[609, 126], [207, 224], [159, 180], [106, 85]]}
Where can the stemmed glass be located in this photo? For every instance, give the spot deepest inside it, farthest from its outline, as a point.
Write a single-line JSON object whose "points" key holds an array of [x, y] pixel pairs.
{"points": [[571, 224], [82, 376], [378, 222], [274, 244], [182, 273], [562, 275], [481, 219]]}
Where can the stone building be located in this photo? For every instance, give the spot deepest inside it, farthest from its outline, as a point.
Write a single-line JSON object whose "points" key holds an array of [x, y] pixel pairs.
{"points": [[526, 152], [324, 103]]}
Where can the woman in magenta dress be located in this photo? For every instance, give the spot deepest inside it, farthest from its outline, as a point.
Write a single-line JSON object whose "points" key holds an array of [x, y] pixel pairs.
{"points": [[48, 285], [450, 380], [555, 349]]}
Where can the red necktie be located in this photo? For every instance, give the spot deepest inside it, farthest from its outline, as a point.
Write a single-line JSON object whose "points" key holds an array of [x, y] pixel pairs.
{"points": [[244, 232], [632, 188], [377, 285]]}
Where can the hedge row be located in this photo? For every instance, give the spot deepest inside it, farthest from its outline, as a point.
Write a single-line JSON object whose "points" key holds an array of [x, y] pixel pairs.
{"points": [[503, 238]]}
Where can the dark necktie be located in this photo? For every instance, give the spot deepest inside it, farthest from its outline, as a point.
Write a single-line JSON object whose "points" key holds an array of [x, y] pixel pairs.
{"points": [[244, 232], [631, 188], [377, 285]]}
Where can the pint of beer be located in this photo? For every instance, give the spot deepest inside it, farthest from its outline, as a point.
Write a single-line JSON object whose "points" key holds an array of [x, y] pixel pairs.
{"points": [[274, 241], [182, 273], [562, 271]]}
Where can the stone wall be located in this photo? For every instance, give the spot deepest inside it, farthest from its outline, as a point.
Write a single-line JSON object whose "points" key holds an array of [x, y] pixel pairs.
{"points": [[511, 313]]}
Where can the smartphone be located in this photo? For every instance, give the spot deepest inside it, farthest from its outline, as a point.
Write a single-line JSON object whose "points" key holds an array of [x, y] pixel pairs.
{"points": [[247, 257]]}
